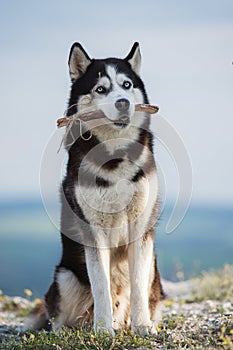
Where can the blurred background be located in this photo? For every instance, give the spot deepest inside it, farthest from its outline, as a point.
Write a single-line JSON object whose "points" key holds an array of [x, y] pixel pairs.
{"points": [[187, 67]]}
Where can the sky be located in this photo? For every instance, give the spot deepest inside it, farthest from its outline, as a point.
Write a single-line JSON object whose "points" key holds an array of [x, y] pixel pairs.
{"points": [[187, 54]]}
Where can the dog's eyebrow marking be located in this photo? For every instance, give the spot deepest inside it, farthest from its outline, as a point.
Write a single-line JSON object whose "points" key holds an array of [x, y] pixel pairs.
{"points": [[121, 78], [99, 74], [105, 81]]}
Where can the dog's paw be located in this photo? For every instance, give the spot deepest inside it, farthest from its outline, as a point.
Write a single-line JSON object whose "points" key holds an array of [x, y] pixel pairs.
{"points": [[153, 329], [102, 328], [143, 330]]}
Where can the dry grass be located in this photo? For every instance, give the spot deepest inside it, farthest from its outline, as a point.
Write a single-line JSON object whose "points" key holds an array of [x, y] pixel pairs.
{"points": [[214, 285]]}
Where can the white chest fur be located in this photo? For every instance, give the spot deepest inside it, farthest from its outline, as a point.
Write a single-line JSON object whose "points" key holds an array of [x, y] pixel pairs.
{"points": [[116, 213]]}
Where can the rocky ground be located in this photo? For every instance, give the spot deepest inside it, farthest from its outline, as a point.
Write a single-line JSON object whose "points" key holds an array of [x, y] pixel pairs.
{"points": [[189, 321], [12, 313]]}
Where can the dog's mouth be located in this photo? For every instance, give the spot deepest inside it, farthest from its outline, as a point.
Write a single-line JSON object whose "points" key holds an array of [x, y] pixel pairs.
{"points": [[122, 122]]}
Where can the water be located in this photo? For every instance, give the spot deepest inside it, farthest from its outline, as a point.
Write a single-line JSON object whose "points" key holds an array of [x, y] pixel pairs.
{"points": [[30, 245], [204, 240]]}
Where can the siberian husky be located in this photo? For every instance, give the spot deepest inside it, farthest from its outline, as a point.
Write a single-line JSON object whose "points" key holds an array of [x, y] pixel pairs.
{"points": [[108, 275]]}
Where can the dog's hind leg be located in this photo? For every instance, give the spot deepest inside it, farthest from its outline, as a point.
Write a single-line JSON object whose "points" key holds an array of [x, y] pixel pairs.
{"points": [[68, 301], [37, 319]]}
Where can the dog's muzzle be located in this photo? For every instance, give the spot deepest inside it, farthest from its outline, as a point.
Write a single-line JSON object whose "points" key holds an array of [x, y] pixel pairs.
{"points": [[122, 105]]}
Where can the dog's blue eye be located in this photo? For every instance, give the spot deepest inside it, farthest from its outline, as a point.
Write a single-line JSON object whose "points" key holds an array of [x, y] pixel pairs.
{"points": [[127, 84], [101, 90]]}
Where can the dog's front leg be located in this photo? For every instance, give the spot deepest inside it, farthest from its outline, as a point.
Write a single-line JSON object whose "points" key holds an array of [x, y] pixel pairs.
{"points": [[98, 267], [140, 260]]}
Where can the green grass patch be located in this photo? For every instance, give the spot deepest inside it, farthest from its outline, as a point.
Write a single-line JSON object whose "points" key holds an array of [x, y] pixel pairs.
{"points": [[208, 329], [76, 339], [173, 333]]}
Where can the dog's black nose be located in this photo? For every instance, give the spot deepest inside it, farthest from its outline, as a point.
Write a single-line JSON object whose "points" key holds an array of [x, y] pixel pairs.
{"points": [[122, 104]]}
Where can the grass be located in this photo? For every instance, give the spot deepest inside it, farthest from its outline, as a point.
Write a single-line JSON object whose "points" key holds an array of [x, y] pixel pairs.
{"points": [[176, 330], [171, 335], [214, 285], [80, 339]]}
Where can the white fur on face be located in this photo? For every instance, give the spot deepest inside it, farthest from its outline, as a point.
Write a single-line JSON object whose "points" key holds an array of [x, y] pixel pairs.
{"points": [[115, 91]]}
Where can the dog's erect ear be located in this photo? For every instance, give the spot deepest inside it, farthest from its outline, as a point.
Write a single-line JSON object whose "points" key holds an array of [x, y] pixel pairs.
{"points": [[78, 61], [134, 58]]}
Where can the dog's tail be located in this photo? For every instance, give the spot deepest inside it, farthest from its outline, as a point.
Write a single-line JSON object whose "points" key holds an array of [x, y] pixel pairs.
{"points": [[37, 319]]}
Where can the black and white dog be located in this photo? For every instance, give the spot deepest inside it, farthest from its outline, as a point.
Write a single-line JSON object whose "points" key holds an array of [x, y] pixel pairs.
{"points": [[108, 273]]}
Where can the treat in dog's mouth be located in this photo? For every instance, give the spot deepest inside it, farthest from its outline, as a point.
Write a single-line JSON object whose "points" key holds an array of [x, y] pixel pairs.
{"points": [[98, 114], [122, 122]]}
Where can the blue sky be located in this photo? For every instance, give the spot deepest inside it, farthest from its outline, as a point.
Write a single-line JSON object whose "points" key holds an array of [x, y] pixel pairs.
{"points": [[187, 51]]}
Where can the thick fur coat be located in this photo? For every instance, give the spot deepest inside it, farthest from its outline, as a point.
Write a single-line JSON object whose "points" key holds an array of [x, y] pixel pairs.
{"points": [[108, 272]]}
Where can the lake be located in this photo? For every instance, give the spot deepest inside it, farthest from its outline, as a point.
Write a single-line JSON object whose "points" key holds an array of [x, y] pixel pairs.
{"points": [[30, 245]]}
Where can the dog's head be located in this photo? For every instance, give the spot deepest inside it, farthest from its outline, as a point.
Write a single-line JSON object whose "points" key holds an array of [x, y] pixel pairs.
{"points": [[112, 85]]}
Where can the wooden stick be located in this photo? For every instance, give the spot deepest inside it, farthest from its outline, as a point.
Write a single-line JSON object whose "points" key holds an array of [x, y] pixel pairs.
{"points": [[146, 108], [98, 114]]}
